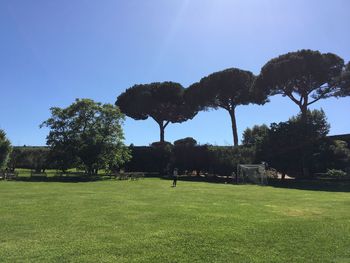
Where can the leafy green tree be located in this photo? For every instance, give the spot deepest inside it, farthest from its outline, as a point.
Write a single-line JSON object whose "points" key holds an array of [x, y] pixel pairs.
{"points": [[89, 133], [162, 101], [38, 159], [254, 136], [34, 158], [331, 154], [15, 157], [341, 155], [304, 76], [5, 149], [225, 89], [289, 149]]}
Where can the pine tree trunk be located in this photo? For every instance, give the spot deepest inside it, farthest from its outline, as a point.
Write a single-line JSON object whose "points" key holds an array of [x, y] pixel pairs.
{"points": [[303, 109], [161, 128], [234, 127], [305, 170]]}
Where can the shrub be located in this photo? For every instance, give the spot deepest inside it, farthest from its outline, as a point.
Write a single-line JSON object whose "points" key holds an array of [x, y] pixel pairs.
{"points": [[223, 160], [5, 149], [161, 158], [185, 142], [35, 158], [330, 154], [255, 136], [338, 174], [154, 158], [290, 146], [163, 152], [191, 158]]}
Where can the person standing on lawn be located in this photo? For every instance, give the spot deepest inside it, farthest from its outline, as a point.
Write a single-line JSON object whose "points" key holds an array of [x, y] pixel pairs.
{"points": [[175, 177]]}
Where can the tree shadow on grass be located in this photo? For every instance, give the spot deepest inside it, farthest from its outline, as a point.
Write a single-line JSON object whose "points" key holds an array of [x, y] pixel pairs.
{"points": [[210, 179], [62, 179], [329, 185]]}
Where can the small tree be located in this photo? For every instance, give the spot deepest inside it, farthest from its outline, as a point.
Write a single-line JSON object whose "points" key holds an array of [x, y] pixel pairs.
{"points": [[89, 133], [226, 89], [5, 149], [254, 136], [15, 157], [161, 101], [254, 139], [304, 76]]}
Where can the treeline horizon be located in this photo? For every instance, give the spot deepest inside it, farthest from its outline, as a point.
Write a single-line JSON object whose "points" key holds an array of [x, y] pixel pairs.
{"points": [[89, 134], [342, 136]]}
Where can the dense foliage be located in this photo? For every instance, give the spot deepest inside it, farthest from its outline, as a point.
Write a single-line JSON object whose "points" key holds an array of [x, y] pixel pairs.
{"points": [[226, 89], [162, 101], [188, 141], [301, 149], [5, 149], [34, 158], [218, 160], [254, 136], [87, 133], [331, 154], [304, 76]]}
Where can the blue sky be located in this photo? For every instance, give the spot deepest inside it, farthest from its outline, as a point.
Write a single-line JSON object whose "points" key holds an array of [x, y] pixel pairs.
{"points": [[52, 52]]}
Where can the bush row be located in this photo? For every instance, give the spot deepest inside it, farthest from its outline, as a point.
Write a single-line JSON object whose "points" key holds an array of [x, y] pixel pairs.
{"points": [[220, 160], [158, 158], [34, 158]]}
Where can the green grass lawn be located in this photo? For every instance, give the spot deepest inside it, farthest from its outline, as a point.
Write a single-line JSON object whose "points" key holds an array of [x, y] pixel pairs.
{"points": [[148, 221]]}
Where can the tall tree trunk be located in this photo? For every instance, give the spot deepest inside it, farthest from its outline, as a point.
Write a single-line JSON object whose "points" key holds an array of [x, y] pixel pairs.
{"points": [[234, 126], [303, 108], [161, 128]]}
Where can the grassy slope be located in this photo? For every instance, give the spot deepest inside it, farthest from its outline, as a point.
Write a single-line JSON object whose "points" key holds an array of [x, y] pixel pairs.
{"points": [[148, 221]]}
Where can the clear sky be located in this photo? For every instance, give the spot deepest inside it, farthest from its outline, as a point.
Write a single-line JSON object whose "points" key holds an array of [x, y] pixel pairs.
{"points": [[52, 52]]}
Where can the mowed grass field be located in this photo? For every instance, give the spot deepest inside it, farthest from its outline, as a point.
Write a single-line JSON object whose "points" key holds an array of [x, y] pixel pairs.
{"points": [[149, 221]]}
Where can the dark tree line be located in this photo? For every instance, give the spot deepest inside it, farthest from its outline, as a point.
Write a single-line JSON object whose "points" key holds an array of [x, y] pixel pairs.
{"points": [[89, 134], [188, 158], [287, 148]]}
